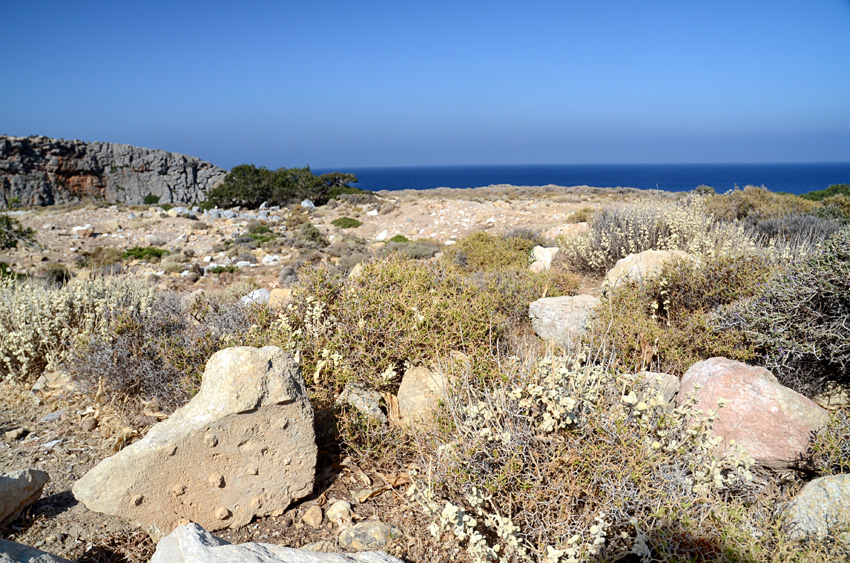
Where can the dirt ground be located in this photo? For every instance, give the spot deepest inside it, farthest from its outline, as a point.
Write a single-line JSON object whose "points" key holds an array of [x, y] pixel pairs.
{"points": [[63, 432]]}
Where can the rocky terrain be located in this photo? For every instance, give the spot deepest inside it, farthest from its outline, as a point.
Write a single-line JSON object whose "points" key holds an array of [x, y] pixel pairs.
{"points": [[238, 473], [37, 171]]}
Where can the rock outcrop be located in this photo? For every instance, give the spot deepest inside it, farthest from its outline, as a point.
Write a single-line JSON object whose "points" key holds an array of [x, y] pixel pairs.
{"points": [[44, 171], [772, 423], [18, 490], [244, 446], [193, 544]]}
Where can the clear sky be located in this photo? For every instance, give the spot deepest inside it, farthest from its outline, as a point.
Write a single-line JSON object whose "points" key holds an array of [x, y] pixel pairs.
{"points": [[384, 83]]}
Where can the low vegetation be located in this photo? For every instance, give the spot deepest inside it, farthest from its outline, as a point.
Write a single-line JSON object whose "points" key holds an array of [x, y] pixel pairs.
{"points": [[13, 233], [346, 223], [536, 453]]}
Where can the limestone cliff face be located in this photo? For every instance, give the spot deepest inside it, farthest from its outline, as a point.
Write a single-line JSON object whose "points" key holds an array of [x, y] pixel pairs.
{"points": [[44, 171]]}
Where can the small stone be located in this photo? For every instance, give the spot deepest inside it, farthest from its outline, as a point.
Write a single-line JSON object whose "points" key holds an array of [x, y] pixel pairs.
{"points": [[256, 503], [137, 500], [211, 440], [339, 511], [216, 480], [15, 434], [178, 489], [368, 535], [88, 424], [222, 513], [313, 516]]}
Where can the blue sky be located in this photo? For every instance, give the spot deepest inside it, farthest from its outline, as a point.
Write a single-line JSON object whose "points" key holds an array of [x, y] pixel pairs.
{"points": [[336, 84]]}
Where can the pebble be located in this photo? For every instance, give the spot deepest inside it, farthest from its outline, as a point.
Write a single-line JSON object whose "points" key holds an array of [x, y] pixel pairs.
{"points": [[313, 517]]}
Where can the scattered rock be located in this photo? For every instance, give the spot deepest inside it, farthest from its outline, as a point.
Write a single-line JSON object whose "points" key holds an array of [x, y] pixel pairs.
{"points": [[313, 517], [339, 512], [368, 535], [419, 394], [11, 552], [665, 384], [562, 319], [192, 544], [84, 231], [356, 271], [366, 401], [88, 424], [542, 258], [773, 423], [565, 230], [260, 296], [56, 415], [822, 508], [382, 236], [308, 204], [640, 266], [14, 434], [18, 490], [279, 296], [251, 422]]}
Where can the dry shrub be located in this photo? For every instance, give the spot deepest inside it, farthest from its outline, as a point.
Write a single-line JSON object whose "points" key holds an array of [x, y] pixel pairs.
{"points": [[399, 312], [756, 203], [830, 449], [663, 322], [41, 324], [799, 321], [657, 224], [482, 251], [570, 461]]}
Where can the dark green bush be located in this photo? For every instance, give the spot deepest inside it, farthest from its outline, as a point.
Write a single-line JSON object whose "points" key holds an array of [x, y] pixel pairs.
{"points": [[229, 269], [310, 233], [399, 238], [250, 186], [12, 232], [151, 199], [833, 190], [147, 253], [346, 223], [800, 320]]}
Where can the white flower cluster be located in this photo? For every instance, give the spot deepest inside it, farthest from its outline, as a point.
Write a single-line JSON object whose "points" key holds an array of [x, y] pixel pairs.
{"points": [[41, 323]]}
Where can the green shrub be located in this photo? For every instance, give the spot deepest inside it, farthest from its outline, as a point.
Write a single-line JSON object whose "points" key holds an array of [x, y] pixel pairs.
{"points": [[166, 206], [6, 272], [12, 233], [99, 257], [346, 223], [800, 320], [418, 249], [247, 185], [147, 253], [662, 324], [257, 228], [830, 449], [229, 269], [831, 191], [310, 233], [399, 238], [581, 216], [482, 251], [400, 312], [151, 199]]}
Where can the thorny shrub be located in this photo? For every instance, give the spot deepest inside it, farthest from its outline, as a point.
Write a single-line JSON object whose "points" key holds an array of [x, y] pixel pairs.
{"points": [[396, 313], [569, 461], [756, 204], [12, 232], [482, 251], [799, 321], [830, 449], [662, 322]]}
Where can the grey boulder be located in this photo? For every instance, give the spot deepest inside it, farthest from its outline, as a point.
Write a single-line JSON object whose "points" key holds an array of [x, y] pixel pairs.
{"points": [[11, 552], [19, 489], [822, 508], [562, 319]]}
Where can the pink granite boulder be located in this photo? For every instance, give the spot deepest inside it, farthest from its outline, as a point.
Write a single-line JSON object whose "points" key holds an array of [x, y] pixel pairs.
{"points": [[773, 423]]}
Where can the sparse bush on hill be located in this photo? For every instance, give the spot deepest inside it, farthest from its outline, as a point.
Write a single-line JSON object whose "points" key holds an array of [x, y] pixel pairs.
{"points": [[346, 223], [831, 191], [756, 204], [147, 253], [800, 320], [12, 232]]}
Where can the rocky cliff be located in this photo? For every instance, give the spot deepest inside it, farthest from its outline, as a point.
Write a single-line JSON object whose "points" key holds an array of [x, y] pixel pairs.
{"points": [[44, 171]]}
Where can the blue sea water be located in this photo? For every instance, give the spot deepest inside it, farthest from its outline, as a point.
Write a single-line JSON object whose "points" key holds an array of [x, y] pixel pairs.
{"points": [[791, 178]]}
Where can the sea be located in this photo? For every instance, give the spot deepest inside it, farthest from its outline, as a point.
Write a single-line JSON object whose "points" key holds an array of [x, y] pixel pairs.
{"points": [[790, 178]]}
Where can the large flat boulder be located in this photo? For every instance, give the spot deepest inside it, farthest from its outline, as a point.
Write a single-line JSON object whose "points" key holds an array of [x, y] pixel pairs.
{"points": [[244, 446], [772, 422], [19, 489], [561, 319], [193, 544]]}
